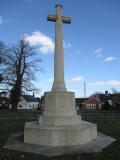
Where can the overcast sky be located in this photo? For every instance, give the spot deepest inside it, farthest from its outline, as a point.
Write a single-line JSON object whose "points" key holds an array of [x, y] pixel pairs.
{"points": [[91, 41]]}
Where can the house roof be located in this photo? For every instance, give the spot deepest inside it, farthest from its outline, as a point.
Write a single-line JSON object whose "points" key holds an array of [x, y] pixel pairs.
{"points": [[30, 98], [94, 99], [84, 100]]}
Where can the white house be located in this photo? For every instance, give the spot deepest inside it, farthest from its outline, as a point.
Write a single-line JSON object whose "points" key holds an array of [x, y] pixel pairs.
{"points": [[28, 102]]}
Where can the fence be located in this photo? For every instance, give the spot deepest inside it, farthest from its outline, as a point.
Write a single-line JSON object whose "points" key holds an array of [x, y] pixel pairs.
{"points": [[106, 116], [100, 116]]}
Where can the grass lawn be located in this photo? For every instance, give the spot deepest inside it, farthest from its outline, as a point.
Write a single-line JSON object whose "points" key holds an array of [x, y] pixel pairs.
{"points": [[12, 125]]}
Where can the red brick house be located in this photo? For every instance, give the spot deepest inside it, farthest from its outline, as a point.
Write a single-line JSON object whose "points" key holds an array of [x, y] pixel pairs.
{"points": [[93, 103], [88, 103]]}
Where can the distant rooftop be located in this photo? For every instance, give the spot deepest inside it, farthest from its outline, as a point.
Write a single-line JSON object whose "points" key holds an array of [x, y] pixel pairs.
{"points": [[30, 98]]}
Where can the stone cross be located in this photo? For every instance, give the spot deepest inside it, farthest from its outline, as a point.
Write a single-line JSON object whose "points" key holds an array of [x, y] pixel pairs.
{"points": [[59, 83]]}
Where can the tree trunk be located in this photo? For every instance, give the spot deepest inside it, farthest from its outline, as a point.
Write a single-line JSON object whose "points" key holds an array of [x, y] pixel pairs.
{"points": [[15, 95]]}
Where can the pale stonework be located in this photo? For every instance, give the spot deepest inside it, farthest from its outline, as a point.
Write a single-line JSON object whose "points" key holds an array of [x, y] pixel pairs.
{"points": [[59, 125], [68, 135]]}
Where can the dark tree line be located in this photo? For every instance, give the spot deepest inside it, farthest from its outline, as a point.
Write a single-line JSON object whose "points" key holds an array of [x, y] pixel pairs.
{"points": [[19, 64]]}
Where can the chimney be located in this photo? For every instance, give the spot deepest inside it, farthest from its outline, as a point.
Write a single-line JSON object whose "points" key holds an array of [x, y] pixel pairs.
{"points": [[106, 93]]}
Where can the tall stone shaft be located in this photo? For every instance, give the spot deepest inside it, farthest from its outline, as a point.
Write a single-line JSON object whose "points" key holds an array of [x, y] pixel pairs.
{"points": [[59, 83]]}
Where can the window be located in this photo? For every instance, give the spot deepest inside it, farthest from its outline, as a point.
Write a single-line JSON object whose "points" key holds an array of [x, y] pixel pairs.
{"points": [[20, 106]]}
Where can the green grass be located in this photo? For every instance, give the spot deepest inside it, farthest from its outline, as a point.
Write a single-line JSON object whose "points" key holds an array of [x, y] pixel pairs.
{"points": [[110, 127]]}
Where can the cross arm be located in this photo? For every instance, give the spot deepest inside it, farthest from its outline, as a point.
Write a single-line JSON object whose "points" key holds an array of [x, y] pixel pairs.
{"points": [[66, 19], [52, 18]]}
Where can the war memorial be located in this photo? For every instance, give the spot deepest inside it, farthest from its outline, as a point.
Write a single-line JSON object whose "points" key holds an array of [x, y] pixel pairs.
{"points": [[60, 130]]}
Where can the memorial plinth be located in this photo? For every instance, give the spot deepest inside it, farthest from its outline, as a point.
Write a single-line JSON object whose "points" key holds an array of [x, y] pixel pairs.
{"points": [[59, 125]]}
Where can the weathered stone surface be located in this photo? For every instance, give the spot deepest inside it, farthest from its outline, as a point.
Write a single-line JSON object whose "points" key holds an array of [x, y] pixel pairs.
{"points": [[59, 109], [68, 135], [15, 142], [59, 120], [59, 104]]}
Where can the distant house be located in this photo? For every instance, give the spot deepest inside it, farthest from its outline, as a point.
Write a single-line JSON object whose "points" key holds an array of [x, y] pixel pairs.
{"points": [[4, 100], [28, 102], [92, 103], [88, 103], [4, 103]]}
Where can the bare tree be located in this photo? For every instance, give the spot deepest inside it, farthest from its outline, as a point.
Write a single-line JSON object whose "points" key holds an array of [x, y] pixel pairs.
{"points": [[21, 63], [2, 52]]}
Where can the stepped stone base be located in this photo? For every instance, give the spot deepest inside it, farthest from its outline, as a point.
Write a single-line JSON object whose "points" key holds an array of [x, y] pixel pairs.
{"points": [[59, 135], [59, 125], [15, 142]]}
